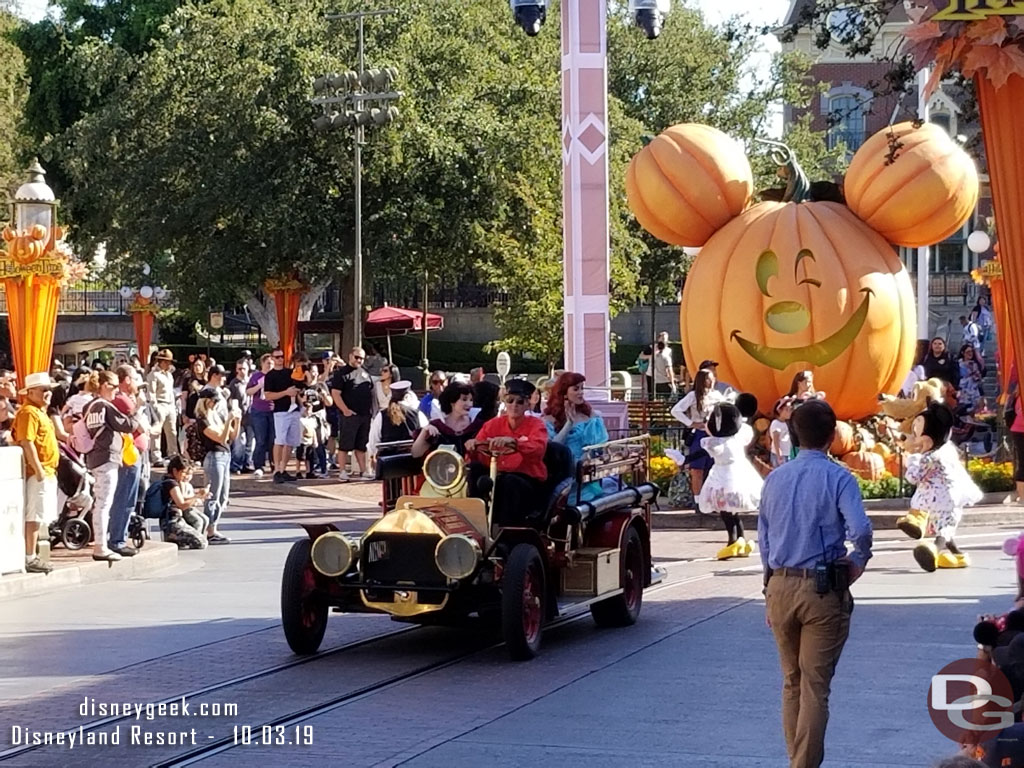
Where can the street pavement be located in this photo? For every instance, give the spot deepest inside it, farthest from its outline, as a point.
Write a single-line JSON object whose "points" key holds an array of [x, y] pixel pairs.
{"points": [[694, 683]]}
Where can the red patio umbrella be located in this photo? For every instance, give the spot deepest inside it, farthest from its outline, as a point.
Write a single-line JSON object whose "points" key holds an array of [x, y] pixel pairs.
{"points": [[386, 320]]}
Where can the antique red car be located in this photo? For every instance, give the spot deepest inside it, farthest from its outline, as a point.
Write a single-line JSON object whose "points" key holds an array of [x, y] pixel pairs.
{"points": [[436, 557]]}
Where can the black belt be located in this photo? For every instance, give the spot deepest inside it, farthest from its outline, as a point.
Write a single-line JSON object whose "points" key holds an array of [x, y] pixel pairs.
{"points": [[799, 573]]}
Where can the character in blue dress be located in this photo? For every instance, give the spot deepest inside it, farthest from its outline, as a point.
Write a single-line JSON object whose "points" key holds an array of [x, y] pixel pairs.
{"points": [[573, 423]]}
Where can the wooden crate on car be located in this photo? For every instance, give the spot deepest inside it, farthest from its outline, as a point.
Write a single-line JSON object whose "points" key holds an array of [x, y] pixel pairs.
{"points": [[594, 570]]}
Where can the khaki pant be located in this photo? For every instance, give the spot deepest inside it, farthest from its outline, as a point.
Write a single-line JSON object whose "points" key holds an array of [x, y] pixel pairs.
{"points": [[810, 631]]}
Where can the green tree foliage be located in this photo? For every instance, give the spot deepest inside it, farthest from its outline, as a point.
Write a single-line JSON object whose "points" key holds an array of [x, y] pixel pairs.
{"points": [[14, 148], [183, 138]]}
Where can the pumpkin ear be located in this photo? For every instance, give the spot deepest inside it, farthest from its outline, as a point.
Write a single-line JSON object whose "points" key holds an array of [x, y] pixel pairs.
{"points": [[687, 183], [913, 184]]}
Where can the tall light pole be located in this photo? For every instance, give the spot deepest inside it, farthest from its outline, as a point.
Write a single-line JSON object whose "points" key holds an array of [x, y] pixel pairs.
{"points": [[357, 99], [923, 252]]}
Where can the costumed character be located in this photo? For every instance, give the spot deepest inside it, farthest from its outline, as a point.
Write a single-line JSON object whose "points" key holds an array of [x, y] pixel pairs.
{"points": [[572, 422], [943, 489], [905, 410], [732, 485]]}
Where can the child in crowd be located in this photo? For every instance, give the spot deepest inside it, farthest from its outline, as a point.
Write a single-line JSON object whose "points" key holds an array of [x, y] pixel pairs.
{"points": [[183, 522], [732, 485], [778, 432], [314, 435]]}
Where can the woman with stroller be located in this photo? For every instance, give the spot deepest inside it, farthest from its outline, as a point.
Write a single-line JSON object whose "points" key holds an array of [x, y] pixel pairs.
{"points": [[182, 522]]}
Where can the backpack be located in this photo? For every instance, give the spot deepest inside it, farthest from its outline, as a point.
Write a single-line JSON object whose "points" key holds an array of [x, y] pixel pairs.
{"points": [[195, 446], [81, 439], [152, 502]]}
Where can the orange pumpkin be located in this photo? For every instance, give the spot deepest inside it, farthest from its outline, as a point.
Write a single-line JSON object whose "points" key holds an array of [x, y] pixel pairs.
{"points": [[687, 183], [786, 287], [882, 450], [867, 465], [844, 442], [923, 195]]}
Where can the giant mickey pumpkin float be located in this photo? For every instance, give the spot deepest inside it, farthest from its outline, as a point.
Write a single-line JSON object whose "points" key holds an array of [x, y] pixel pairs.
{"points": [[780, 287]]}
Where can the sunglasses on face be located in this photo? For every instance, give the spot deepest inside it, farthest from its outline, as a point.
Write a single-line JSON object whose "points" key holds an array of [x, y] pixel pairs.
{"points": [[513, 400], [436, 383], [358, 357], [278, 357]]}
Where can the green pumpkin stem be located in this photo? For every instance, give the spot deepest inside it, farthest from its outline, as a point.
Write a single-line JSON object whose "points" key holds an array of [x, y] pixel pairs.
{"points": [[798, 186]]}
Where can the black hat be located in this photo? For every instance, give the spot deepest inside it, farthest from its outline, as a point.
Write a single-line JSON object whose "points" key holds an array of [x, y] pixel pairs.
{"points": [[520, 387], [399, 390], [747, 405], [209, 392], [938, 423], [216, 370], [707, 364], [725, 420]]}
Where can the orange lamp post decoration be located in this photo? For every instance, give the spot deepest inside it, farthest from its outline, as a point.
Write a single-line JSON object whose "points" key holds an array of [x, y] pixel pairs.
{"points": [[287, 293], [986, 43], [34, 265], [144, 307]]}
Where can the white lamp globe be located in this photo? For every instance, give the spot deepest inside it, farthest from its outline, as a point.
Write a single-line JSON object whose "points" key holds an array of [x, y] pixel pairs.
{"points": [[146, 292], [126, 292], [979, 241]]}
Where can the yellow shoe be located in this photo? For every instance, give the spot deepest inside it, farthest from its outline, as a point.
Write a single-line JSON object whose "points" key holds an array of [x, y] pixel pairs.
{"points": [[732, 550], [749, 547], [913, 523], [950, 560], [926, 555]]}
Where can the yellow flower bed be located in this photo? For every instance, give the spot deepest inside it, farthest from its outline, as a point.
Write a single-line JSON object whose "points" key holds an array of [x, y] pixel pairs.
{"points": [[991, 475], [663, 469]]}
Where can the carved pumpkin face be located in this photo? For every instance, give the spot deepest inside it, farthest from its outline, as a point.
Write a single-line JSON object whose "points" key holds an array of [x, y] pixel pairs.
{"points": [[786, 287]]}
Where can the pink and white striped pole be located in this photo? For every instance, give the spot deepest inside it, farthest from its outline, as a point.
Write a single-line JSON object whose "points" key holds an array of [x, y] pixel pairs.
{"points": [[585, 189]]}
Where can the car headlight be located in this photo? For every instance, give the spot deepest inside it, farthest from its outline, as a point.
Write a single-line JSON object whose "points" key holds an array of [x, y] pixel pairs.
{"points": [[333, 553], [444, 469], [457, 556]]}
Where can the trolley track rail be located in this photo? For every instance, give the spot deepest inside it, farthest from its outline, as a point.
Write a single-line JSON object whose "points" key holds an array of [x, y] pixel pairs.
{"points": [[224, 744]]}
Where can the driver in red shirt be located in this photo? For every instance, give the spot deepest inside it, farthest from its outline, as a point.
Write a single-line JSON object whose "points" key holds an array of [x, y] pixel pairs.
{"points": [[521, 473]]}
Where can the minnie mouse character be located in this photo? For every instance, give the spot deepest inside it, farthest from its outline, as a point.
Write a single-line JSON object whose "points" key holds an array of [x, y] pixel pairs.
{"points": [[732, 485], [943, 488]]}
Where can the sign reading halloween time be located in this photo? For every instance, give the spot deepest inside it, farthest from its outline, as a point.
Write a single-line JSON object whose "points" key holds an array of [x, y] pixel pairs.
{"points": [[972, 10]]}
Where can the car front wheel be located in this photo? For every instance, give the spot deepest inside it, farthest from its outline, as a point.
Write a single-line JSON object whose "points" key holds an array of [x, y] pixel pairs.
{"points": [[522, 602], [303, 607]]}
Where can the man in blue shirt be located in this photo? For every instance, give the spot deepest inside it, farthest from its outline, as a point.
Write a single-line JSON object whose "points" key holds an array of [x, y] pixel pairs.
{"points": [[810, 507]]}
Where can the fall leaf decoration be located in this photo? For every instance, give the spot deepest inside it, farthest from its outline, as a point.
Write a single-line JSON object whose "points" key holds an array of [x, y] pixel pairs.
{"points": [[990, 47]]}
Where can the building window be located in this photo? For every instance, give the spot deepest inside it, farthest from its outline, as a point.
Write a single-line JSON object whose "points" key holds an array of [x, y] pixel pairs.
{"points": [[952, 255], [846, 109], [943, 120]]}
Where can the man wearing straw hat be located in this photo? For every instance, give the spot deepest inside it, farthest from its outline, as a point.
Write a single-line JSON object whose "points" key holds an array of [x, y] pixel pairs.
{"points": [[35, 434], [161, 389]]}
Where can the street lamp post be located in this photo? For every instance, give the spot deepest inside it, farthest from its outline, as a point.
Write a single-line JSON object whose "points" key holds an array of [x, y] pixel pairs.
{"points": [[357, 99]]}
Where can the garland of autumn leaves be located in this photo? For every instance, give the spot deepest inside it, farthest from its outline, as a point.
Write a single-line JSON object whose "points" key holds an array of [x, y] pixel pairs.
{"points": [[991, 47]]}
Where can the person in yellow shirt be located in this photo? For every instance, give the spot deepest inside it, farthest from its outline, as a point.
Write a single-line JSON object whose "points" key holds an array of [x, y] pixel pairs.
{"points": [[35, 434]]}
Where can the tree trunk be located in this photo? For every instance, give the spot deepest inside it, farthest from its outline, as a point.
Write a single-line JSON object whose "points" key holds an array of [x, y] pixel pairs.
{"points": [[264, 310]]}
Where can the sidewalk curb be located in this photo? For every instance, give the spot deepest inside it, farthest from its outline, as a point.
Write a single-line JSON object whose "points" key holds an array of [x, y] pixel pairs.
{"points": [[154, 556], [316, 489]]}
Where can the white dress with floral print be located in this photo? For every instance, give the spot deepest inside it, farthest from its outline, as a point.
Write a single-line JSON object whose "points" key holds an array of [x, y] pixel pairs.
{"points": [[732, 484], [943, 487]]}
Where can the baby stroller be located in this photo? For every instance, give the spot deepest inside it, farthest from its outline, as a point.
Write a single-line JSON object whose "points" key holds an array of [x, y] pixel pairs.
{"points": [[73, 527]]}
